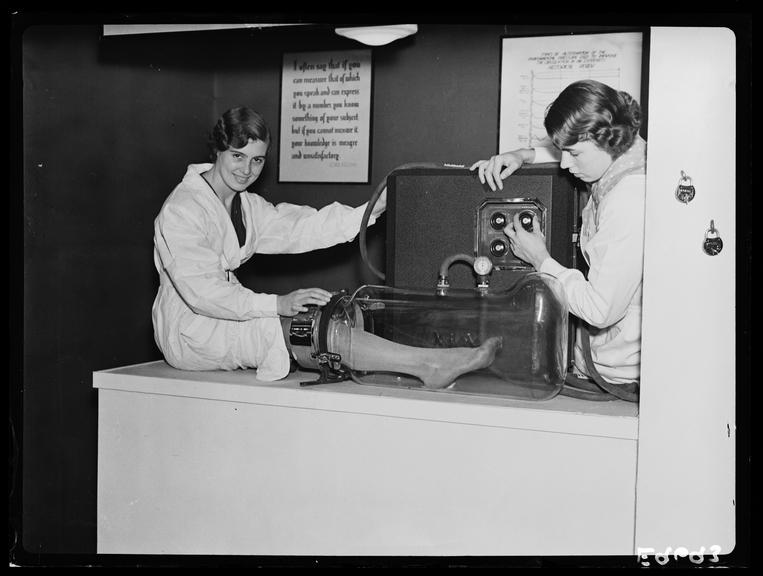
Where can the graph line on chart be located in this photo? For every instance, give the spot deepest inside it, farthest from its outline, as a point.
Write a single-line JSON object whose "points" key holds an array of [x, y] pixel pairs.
{"points": [[539, 89]]}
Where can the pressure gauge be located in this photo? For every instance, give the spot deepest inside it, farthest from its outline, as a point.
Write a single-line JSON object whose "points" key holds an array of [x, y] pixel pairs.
{"points": [[483, 265]]}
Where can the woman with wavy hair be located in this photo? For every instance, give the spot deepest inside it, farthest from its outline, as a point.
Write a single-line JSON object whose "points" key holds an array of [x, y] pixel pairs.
{"points": [[211, 223], [595, 128]]}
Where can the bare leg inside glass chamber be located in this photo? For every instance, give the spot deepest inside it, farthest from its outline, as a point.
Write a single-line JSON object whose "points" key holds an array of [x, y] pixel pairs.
{"points": [[435, 367]]}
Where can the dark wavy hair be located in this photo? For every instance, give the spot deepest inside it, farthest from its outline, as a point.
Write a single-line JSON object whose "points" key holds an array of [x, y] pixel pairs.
{"points": [[234, 129], [591, 110]]}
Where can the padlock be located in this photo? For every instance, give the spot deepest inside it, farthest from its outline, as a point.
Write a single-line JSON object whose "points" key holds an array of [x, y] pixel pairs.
{"points": [[685, 190], [713, 243]]}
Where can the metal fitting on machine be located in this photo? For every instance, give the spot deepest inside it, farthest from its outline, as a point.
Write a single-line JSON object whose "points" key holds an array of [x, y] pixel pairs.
{"points": [[307, 336], [442, 285], [481, 265]]}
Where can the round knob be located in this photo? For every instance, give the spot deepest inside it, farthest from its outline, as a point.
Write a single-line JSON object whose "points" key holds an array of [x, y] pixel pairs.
{"points": [[526, 220], [498, 248], [498, 220]]}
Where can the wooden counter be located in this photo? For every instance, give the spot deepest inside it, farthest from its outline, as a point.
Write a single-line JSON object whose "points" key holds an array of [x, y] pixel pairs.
{"points": [[221, 463]]}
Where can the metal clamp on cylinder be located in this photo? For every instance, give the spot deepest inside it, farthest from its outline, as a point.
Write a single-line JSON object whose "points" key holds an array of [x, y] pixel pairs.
{"points": [[330, 359], [308, 338]]}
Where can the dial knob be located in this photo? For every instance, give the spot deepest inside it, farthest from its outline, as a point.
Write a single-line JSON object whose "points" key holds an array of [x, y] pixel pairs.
{"points": [[498, 220], [526, 220], [498, 248]]}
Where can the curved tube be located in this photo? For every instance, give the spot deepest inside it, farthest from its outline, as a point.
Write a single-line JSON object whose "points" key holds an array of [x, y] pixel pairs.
{"points": [[450, 260]]}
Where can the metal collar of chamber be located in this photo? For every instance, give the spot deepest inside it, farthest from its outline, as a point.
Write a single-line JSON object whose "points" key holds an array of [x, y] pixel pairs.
{"points": [[308, 338]]}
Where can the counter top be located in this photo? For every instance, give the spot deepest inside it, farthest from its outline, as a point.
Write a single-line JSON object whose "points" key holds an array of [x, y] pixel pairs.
{"points": [[563, 414]]}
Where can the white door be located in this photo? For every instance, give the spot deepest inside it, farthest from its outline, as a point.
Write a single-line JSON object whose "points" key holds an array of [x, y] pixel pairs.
{"points": [[685, 483]]}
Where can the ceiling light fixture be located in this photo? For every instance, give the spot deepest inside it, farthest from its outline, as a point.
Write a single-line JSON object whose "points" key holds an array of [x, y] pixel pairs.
{"points": [[378, 35]]}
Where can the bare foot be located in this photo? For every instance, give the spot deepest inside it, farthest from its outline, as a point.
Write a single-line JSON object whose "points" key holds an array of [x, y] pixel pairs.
{"points": [[457, 361]]}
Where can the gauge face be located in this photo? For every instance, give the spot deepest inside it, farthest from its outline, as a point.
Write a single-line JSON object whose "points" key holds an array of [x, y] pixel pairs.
{"points": [[483, 265]]}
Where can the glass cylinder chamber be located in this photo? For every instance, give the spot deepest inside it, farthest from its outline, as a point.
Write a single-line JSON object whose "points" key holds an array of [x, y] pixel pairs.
{"points": [[530, 319]]}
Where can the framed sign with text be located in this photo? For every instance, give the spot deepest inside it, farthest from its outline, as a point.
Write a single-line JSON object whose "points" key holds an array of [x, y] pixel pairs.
{"points": [[534, 70], [325, 117]]}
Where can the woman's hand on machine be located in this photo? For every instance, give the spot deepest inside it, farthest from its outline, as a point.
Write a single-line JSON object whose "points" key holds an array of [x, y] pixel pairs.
{"points": [[295, 302], [528, 246], [498, 168]]}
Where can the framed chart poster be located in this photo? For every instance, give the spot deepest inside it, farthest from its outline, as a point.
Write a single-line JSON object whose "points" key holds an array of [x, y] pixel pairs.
{"points": [[325, 117], [534, 70]]}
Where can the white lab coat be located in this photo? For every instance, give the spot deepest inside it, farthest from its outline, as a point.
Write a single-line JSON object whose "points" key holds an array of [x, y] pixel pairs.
{"points": [[612, 242], [204, 319]]}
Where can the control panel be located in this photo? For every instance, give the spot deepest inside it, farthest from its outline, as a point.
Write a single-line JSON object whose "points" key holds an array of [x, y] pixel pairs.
{"points": [[492, 217]]}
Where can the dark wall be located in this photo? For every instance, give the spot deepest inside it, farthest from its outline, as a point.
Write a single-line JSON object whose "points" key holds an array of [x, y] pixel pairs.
{"points": [[103, 142], [109, 125], [427, 91]]}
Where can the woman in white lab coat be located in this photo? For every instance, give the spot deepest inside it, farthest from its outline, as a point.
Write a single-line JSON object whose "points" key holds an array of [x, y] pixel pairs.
{"points": [[205, 319], [595, 128]]}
